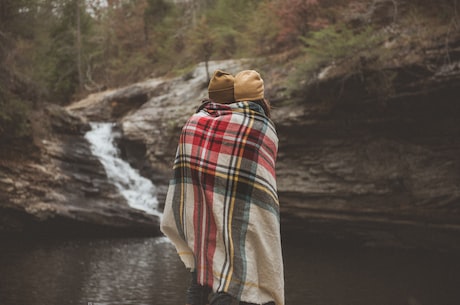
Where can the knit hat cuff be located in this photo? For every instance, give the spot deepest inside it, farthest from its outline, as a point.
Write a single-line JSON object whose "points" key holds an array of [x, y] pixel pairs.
{"points": [[220, 88], [222, 95]]}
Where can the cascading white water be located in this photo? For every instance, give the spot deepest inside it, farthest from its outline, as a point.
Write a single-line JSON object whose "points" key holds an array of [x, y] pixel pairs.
{"points": [[139, 192]]}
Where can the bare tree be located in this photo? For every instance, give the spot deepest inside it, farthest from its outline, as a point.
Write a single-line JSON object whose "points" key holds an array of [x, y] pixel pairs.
{"points": [[78, 42]]}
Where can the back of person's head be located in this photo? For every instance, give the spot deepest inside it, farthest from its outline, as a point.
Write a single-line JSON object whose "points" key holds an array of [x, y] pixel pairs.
{"points": [[249, 86], [220, 88]]}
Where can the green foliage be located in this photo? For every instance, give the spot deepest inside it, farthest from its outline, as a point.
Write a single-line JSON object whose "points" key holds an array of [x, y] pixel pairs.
{"points": [[229, 23], [354, 50], [129, 40], [168, 43], [61, 54], [262, 31], [203, 40], [156, 11], [13, 116], [15, 27], [336, 43], [16, 17]]}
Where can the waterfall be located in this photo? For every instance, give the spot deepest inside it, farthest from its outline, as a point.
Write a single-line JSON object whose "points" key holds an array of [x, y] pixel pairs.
{"points": [[140, 193]]}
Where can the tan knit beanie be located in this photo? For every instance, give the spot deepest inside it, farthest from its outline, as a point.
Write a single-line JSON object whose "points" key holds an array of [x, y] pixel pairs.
{"points": [[220, 87], [249, 86]]}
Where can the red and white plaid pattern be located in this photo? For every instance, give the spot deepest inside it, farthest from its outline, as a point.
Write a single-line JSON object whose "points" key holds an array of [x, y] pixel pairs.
{"points": [[222, 209]]}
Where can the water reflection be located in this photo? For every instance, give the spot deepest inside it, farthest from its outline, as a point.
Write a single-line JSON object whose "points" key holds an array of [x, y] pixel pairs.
{"points": [[148, 271], [111, 271], [132, 274]]}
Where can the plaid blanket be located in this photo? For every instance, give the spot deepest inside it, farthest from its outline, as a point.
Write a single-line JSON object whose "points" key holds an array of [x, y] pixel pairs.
{"points": [[221, 210]]}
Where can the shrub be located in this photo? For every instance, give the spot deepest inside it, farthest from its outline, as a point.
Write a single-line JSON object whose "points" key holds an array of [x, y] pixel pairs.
{"points": [[344, 50], [13, 116]]}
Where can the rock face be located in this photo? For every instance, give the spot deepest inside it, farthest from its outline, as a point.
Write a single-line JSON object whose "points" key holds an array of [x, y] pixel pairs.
{"points": [[377, 166], [151, 131], [381, 166], [378, 169], [64, 191]]}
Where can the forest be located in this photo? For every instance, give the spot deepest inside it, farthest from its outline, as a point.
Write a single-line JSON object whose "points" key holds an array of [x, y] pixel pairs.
{"points": [[57, 51]]}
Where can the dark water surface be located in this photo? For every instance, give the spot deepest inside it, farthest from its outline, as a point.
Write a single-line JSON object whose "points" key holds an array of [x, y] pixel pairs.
{"points": [[148, 271]]}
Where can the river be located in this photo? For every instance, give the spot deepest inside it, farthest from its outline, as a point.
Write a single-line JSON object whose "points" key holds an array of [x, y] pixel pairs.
{"points": [[148, 271]]}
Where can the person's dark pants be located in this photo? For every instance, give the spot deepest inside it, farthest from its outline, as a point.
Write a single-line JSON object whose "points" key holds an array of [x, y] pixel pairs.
{"points": [[199, 295], [222, 298], [196, 293]]}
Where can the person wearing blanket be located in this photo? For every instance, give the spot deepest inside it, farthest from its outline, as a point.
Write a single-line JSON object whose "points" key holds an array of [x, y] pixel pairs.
{"points": [[221, 210]]}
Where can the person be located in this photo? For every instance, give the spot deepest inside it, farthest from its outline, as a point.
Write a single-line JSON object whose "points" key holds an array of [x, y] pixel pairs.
{"points": [[221, 210]]}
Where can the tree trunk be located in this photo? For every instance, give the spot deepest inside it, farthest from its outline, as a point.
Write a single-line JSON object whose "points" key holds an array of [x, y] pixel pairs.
{"points": [[79, 62]]}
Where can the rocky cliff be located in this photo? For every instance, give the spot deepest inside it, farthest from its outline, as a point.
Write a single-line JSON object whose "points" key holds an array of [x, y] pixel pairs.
{"points": [[62, 190], [380, 169], [369, 155]]}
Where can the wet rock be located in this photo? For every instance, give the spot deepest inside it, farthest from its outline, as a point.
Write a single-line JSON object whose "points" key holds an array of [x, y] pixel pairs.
{"points": [[67, 192]]}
